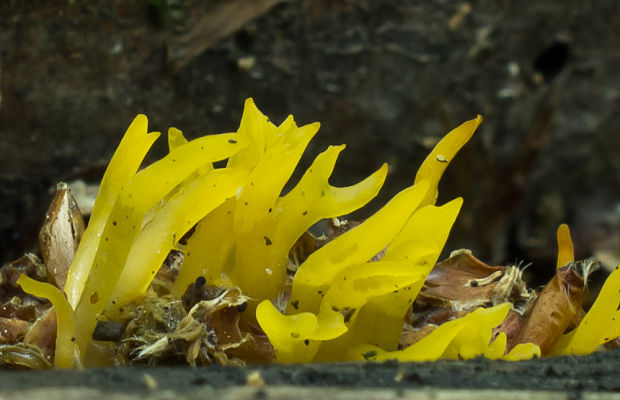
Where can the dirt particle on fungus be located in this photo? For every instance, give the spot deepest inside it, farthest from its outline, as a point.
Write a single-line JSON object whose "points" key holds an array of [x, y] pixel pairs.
{"points": [[94, 298], [246, 203], [295, 304], [306, 342], [270, 210], [304, 213], [114, 223], [200, 281], [348, 314], [369, 355], [232, 141], [295, 335], [267, 241]]}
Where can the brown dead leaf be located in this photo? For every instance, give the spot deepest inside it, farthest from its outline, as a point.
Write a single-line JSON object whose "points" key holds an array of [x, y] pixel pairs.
{"points": [[11, 330], [27, 309], [556, 306], [465, 283], [42, 334], [411, 335], [60, 235], [29, 264], [511, 326]]}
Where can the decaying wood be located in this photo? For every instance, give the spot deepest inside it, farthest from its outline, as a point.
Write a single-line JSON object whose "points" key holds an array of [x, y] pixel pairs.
{"points": [[224, 18]]}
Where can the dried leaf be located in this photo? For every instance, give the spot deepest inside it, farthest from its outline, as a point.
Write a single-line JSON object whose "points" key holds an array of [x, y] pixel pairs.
{"points": [[11, 330], [27, 310], [42, 334], [29, 264], [555, 308], [60, 235], [464, 282]]}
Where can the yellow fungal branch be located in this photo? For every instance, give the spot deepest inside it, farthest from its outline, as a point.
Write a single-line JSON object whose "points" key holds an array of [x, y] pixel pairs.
{"points": [[566, 252], [67, 353], [124, 164], [442, 154]]}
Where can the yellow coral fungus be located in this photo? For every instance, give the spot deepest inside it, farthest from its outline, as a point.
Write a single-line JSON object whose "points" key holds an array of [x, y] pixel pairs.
{"points": [[377, 294], [346, 300]]}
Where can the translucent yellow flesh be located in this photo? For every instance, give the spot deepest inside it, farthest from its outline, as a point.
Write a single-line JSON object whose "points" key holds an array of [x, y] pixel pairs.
{"points": [[566, 253], [297, 337], [523, 351], [259, 267], [123, 166], [66, 353], [356, 246], [464, 337], [256, 130], [442, 154], [418, 245], [255, 254], [194, 200], [209, 250]]}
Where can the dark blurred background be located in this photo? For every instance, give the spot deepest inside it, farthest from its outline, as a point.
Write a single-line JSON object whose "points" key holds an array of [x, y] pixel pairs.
{"points": [[388, 78]]}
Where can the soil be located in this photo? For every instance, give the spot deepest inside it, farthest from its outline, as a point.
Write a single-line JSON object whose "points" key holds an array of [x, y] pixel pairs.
{"points": [[597, 372]]}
